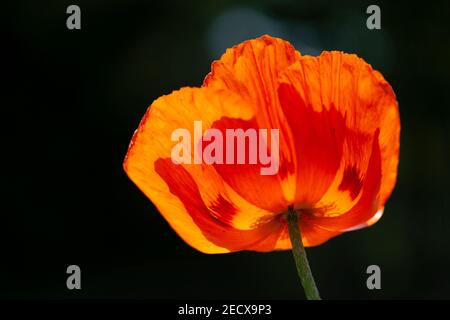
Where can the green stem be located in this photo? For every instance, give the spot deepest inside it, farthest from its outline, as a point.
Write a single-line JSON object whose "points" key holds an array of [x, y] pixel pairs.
{"points": [[301, 261]]}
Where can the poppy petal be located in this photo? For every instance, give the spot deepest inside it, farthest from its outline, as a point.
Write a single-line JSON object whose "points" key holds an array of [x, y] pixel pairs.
{"points": [[341, 83], [364, 211], [318, 139], [252, 69], [213, 227], [152, 144]]}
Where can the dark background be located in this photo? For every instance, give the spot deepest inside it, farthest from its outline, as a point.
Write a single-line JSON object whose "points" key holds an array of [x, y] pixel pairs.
{"points": [[78, 95]]}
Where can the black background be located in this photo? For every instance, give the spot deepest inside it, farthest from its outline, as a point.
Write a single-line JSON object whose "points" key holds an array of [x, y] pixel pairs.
{"points": [[78, 95]]}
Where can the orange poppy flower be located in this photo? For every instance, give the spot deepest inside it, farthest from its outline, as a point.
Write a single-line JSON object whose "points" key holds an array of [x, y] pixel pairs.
{"points": [[339, 128]]}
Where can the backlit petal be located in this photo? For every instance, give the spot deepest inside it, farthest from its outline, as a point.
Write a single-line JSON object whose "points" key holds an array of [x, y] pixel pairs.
{"points": [[214, 207]]}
